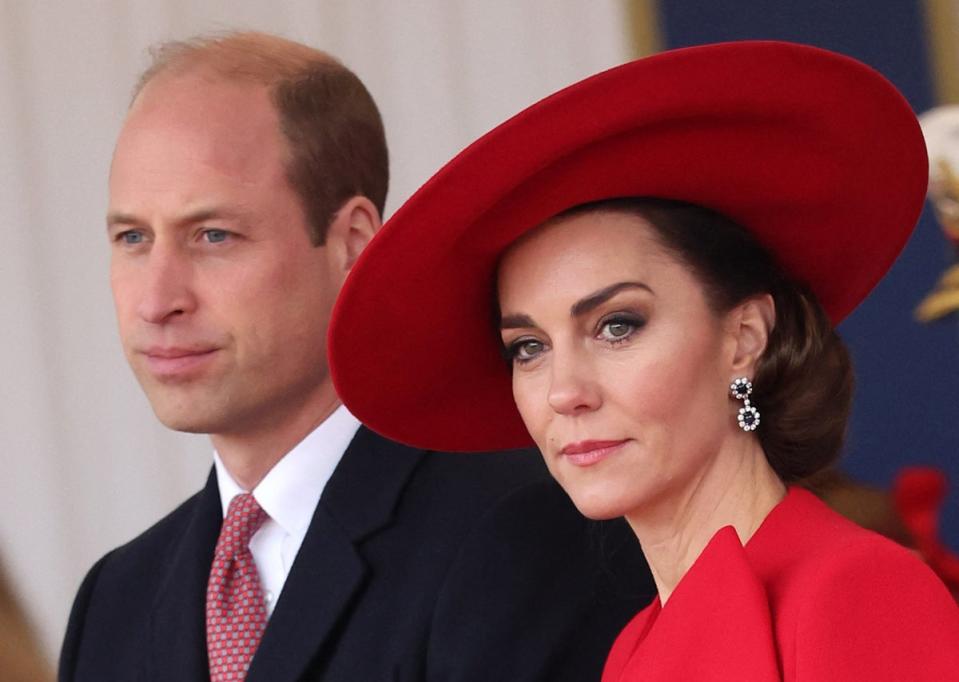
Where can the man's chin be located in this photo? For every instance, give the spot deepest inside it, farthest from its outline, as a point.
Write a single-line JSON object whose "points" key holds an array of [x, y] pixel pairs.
{"points": [[190, 408], [186, 418], [185, 424]]}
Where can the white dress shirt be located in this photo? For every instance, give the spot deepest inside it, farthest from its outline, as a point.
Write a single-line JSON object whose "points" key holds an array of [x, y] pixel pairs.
{"points": [[289, 494]]}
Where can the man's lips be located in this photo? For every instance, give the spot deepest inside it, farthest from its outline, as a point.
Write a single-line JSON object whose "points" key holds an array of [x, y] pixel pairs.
{"points": [[589, 452], [173, 362]]}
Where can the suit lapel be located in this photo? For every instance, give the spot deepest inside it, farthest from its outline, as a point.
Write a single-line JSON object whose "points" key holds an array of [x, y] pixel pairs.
{"points": [[329, 569], [178, 627]]}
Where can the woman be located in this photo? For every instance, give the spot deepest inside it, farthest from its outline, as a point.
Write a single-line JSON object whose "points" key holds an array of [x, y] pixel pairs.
{"points": [[662, 251]]}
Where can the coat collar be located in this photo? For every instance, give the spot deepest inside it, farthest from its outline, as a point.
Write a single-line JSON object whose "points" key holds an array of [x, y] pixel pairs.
{"points": [[329, 569], [178, 627], [690, 637], [326, 574]]}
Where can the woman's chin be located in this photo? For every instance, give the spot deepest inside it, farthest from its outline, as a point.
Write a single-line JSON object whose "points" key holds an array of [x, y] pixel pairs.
{"points": [[597, 505]]}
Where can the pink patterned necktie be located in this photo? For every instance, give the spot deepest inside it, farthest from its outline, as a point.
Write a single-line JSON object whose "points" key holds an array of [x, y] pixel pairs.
{"points": [[235, 610]]}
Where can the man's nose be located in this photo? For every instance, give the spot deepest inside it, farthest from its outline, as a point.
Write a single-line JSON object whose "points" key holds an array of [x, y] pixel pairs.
{"points": [[167, 290]]}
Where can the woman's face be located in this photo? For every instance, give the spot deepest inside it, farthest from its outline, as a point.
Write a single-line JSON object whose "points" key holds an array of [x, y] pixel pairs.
{"points": [[621, 370]]}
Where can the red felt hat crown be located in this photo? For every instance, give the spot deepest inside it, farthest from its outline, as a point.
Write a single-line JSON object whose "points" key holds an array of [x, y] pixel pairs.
{"points": [[816, 154]]}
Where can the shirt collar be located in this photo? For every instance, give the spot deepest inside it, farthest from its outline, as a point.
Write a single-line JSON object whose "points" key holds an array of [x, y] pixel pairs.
{"points": [[291, 490]]}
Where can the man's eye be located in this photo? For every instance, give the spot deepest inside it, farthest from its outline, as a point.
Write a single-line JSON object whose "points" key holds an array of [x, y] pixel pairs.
{"points": [[131, 237], [216, 236]]}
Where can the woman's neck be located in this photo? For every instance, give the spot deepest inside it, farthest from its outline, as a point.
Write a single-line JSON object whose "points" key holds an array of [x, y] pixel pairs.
{"points": [[739, 489]]}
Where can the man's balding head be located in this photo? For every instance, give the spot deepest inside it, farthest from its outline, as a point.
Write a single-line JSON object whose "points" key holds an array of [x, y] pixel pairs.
{"points": [[336, 146]]}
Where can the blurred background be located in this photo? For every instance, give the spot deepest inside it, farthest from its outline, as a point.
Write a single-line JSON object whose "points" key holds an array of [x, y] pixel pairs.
{"points": [[85, 466]]}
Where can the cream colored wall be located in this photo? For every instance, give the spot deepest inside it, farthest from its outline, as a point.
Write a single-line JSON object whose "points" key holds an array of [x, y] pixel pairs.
{"points": [[85, 465]]}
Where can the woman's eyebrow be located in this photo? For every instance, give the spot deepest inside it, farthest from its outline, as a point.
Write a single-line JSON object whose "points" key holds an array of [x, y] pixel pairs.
{"points": [[516, 322], [584, 305]]}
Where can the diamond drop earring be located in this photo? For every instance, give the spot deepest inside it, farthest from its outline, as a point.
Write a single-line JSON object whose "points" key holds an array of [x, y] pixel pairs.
{"points": [[748, 416]]}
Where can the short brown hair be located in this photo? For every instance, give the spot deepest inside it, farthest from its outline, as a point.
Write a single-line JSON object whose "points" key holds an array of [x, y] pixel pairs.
{"points": [[804, 380], [337, 146]]}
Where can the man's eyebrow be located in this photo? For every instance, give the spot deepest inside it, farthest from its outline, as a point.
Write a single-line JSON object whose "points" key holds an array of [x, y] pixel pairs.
{"points": [[196, 216], [209, 213], [121, 218], [588, 303]]}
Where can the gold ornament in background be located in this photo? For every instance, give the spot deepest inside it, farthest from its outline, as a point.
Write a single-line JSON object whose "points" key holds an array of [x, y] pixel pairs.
{"points": [[940, 127], [944, 299]]}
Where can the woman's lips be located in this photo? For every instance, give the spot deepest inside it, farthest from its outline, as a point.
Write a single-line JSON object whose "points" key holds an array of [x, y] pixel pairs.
{"points": [[175, 363], [588, 452]]}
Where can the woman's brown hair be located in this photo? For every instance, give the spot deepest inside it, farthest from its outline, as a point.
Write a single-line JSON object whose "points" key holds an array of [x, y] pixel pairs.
{"points": [[804, 380]]}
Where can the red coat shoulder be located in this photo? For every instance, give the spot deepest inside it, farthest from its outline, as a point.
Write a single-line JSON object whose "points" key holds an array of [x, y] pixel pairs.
{"points": [[811, 598], [868, 609]]}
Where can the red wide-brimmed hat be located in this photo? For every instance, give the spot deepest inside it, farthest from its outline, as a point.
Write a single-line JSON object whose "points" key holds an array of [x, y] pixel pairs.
{"points": [[816, 154]]}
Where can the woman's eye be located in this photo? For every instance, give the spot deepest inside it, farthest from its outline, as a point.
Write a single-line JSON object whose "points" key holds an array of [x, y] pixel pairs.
{"points": [[619, 329], [525, 350], [215, 236]]}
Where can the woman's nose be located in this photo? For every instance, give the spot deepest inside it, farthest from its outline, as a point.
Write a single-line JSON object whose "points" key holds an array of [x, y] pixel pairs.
{"points": [[573, 388]]}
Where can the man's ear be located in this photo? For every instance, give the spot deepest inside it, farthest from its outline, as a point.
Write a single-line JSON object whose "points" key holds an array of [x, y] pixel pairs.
{"points": [[350, 231], [751, 323]]}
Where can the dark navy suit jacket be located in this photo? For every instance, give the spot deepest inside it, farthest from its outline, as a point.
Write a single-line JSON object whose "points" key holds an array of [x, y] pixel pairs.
{"points": [[416, 566]]}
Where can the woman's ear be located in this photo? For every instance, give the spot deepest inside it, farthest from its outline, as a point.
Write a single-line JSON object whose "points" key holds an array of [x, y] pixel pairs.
{"points": [[351, 230], [752, 322]]}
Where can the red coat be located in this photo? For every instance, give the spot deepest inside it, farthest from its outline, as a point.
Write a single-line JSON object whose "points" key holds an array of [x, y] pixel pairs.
{"points": [[811, 598]]}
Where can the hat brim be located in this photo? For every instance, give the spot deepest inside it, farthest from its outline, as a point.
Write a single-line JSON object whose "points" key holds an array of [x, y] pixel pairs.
{"points": [[818, 155]]}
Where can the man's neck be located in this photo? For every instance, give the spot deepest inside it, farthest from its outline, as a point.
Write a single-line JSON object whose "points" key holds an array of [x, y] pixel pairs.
{"points": [[249, 454]]}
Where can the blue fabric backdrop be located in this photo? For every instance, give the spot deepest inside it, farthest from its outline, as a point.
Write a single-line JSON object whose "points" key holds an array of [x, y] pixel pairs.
{"points": [[907, 373]]}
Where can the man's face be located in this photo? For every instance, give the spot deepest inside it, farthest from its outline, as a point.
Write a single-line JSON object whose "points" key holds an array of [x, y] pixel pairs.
{"points": [[222, 301]]}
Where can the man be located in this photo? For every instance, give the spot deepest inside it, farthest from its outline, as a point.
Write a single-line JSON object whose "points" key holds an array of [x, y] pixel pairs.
{"points": [[247, 178]]}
